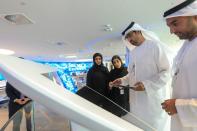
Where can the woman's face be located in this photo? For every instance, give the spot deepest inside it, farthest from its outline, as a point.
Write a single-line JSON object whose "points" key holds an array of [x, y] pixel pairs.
{"points": [[98, 60], [117, 63]]}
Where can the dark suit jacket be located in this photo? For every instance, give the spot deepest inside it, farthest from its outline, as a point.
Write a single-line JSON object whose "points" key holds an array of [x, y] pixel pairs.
{"points": [[13, 94]]}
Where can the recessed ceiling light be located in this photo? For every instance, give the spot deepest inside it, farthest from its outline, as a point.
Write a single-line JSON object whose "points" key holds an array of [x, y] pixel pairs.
{"points": [[18, 19], [6, 52], [60, 43], [107, 25], [109, 29]]}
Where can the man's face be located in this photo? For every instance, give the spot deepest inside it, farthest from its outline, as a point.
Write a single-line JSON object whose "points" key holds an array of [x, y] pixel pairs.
{"points": [[98, 60], [132, 37], [181, 26]]}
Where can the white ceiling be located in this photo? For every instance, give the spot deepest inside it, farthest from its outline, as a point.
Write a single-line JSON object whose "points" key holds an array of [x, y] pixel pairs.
{"points": [[78, 24]]}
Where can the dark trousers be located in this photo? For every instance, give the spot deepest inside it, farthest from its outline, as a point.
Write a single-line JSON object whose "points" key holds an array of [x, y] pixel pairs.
{"points": [[17, 111]]}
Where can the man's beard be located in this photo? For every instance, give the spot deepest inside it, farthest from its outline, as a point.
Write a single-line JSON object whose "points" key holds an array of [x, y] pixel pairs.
{"points": [[183, 36]]}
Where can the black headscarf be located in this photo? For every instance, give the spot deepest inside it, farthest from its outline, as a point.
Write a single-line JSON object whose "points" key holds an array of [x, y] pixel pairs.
{"points": [[101, 66], [94, 57]]}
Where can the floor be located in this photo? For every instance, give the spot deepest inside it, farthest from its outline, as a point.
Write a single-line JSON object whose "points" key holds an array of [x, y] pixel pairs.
{"points": [[3, 111], [4, 116], [44, 119]]}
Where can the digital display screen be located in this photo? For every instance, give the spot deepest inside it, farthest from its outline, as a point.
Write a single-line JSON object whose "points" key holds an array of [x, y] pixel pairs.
{"points": [[67, 71]]}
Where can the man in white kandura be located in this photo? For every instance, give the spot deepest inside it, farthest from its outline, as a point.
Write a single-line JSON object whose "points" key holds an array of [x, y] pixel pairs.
{"points": [[149, 74], [182, 21]]}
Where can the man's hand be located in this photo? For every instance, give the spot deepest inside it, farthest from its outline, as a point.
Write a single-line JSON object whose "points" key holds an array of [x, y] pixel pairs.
{"points": [[169, 106], [25, 100], [19, 101], [139, 86], [116, 82], [110, 85]]}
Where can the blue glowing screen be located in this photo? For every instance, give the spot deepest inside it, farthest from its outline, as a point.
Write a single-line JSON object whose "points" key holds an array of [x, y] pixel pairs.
{"points": [[66, 71]]}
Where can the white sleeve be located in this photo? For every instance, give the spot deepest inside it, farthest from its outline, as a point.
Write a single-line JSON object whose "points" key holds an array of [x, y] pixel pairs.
{"points": [[187, 111], [125, 80], [160, 79]]}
